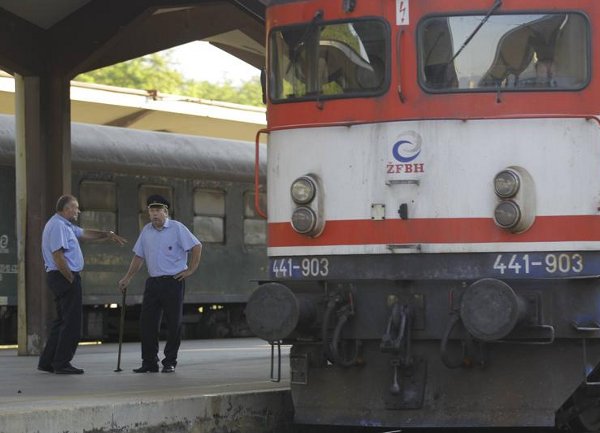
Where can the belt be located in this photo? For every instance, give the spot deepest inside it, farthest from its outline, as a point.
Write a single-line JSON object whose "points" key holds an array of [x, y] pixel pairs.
{"points": [[73, 272], [162, 277]]}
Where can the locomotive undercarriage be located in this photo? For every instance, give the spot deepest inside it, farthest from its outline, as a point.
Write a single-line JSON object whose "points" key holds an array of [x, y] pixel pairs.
{"points": [[520, 386], [398, 354]]}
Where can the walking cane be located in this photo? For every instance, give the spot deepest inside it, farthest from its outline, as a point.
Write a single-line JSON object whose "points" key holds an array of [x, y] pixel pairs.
{"points": [[121, 326]]}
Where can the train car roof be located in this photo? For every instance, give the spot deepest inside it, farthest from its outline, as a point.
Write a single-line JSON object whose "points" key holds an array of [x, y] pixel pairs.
{"points": [[121, 150]]}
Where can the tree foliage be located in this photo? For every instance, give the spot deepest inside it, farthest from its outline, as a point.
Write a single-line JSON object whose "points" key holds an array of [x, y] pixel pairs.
{"points": [[151, 72], [156, 72], [248, 93]]}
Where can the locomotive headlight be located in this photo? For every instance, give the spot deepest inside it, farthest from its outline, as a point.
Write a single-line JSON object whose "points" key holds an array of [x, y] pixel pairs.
{"points": [[507, 214], [304, 220], [307, 194], [516, 203], [303, 190], [507, 183]]}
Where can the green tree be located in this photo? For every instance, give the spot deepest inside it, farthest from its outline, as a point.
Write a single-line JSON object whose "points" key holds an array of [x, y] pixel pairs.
{"points": [[152, 72], [157, 72], [247, 93]]}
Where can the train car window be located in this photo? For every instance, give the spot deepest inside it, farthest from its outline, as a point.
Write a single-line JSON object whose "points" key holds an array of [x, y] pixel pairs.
{"points": [[329, 60], [209, 215], [255, 227], [98, 202], [508, 52], [147, 190]]}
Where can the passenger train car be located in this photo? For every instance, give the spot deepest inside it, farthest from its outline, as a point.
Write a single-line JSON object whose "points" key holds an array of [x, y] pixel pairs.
{"points": [[434, 198], [209, 183]]}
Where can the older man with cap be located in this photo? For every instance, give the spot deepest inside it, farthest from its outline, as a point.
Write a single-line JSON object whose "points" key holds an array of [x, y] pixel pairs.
{"points": [[164, 245]]}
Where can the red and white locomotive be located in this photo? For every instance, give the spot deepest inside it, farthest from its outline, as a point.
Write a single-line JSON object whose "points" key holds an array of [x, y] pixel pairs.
{"points": [[434, 211]]}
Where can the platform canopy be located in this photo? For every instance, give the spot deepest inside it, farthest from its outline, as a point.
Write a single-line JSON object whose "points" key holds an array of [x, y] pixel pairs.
{"points": [[77, 36]]}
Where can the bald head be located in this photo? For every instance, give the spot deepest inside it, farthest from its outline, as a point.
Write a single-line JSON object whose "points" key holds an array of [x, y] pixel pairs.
{"points": [[64, 201]]}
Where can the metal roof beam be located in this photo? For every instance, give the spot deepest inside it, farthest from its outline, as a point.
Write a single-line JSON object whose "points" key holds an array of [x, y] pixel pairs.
{"points": [[21, 47], [105, 32], [79, 35], [177, 27]]}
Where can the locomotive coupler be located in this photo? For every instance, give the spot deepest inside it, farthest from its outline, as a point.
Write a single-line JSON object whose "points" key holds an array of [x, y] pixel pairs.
{"points": [[408, 378], [334, 349], [397, 336]]}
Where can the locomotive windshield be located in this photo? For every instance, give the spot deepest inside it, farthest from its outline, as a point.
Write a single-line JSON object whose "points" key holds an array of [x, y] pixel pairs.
{"points": [[320, 60], [508, 52]]}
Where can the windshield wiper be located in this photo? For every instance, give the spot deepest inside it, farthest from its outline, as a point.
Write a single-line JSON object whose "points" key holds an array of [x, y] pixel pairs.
{"points": [[310, 28], [474, 32]]}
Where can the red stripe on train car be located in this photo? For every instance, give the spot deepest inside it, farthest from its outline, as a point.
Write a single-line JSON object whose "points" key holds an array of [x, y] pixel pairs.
{"points": [[568, 228]]}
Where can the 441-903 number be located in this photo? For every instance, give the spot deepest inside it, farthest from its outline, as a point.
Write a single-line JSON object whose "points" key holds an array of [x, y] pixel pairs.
{"points": [[555, 263], [299, 267]]}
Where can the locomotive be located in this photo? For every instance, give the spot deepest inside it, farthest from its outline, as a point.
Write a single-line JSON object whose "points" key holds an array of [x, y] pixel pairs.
{"points": [[209, 182], [433, 225]]}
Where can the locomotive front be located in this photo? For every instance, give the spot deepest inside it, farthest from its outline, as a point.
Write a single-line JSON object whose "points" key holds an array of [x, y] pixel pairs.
{"points": [[434, 227]]}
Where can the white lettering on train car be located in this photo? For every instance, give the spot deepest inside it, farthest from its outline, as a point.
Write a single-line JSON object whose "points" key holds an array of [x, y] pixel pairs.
{"points": [[4, 244], [565, 263], [8, 269]]}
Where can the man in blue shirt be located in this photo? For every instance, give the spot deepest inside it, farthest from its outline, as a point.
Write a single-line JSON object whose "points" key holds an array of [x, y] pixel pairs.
{"points": [[63, 260], [164, 245]]}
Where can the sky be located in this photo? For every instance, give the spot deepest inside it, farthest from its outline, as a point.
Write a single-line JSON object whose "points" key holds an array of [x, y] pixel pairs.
{"points": [[201, 61]]}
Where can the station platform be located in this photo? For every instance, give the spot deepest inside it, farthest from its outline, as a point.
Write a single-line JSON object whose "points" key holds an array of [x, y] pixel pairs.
{"points": [[219, 386]]}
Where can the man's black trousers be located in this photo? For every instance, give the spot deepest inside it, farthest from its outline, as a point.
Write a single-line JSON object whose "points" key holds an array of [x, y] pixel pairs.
{"points": [[162, 295], [65, 331]]}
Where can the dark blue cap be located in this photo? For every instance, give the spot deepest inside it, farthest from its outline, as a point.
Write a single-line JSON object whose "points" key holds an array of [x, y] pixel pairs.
{"points": [[156, 200]]}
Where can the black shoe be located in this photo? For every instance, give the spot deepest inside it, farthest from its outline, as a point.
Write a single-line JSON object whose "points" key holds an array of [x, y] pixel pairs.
{"points": [[48, 369], [146, 369], [69, 369], [168, 369]]}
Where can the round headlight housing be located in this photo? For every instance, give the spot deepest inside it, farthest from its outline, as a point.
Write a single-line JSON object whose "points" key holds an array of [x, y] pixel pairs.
{"points": [[506, 184], [304, 220], [303, 190], [507, 214]]}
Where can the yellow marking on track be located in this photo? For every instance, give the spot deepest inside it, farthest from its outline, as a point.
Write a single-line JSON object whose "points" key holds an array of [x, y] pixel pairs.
{"points": [[90, 343], [82, 343], [222, 349]]}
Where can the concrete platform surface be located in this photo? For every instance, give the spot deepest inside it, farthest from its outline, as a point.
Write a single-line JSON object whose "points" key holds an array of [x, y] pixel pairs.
{"points": [[219, 386]]}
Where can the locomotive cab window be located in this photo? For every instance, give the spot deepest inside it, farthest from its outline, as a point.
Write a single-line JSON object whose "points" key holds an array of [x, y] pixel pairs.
{"points": [[209, 215], [507, 52], [146, 191], [255, 227], [329, 60], [98, 201]]}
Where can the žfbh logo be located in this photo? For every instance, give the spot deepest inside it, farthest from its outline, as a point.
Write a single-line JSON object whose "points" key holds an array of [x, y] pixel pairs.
{"points": [[406, 151]]}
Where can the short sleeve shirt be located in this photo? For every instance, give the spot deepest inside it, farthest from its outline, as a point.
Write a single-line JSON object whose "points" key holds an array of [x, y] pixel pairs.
{"points": [[165, 251], [61, 233]]}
